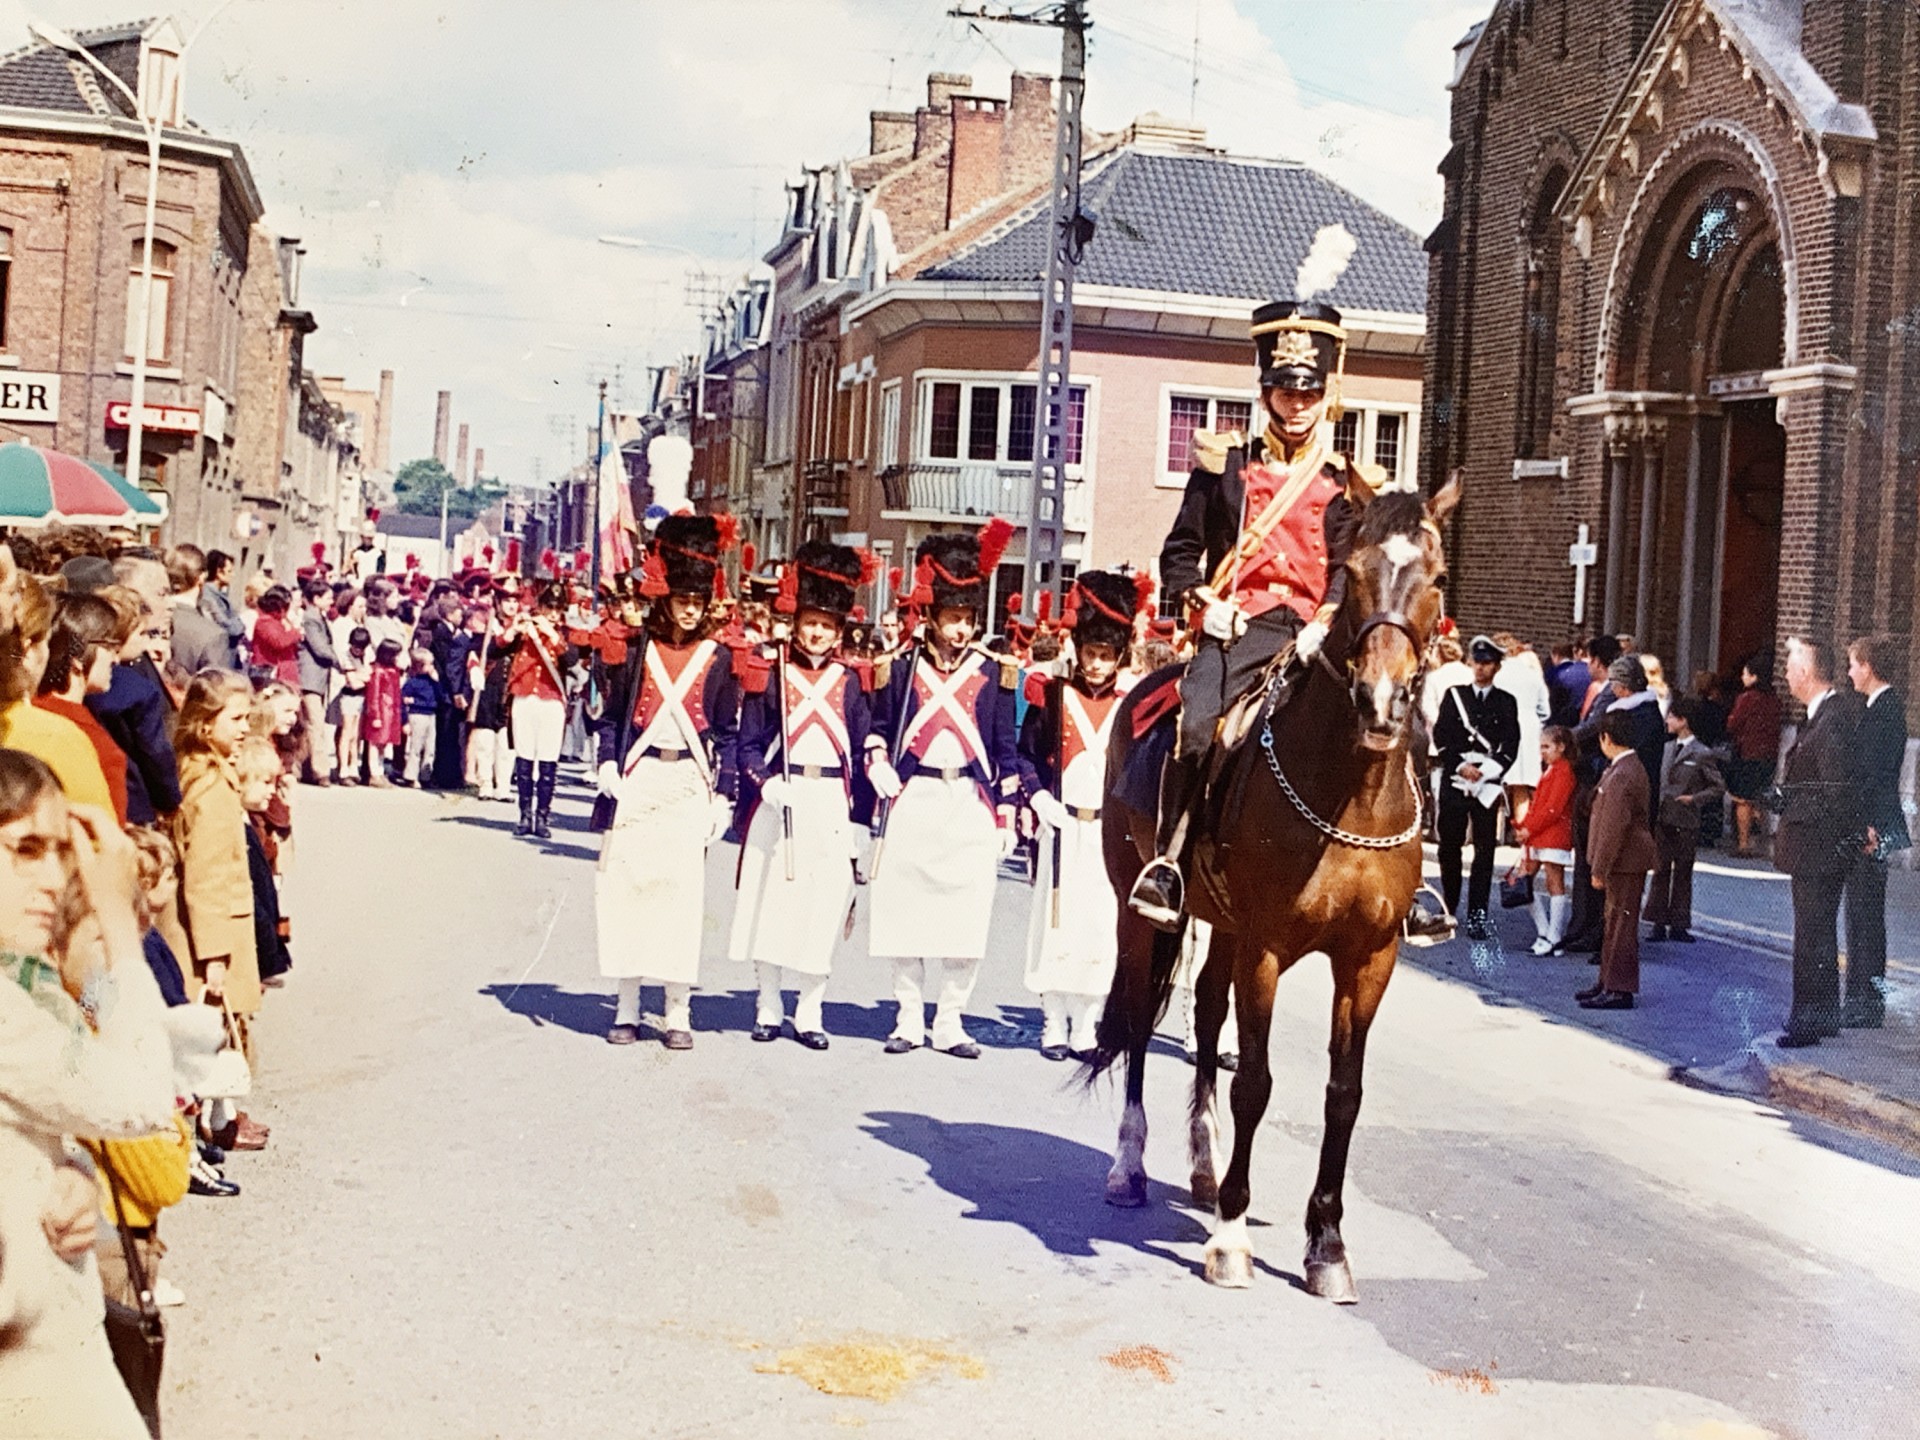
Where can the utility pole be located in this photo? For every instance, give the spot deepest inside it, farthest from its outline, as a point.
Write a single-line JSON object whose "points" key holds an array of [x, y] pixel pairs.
{"points": [[1070, 231], [599, 460]]}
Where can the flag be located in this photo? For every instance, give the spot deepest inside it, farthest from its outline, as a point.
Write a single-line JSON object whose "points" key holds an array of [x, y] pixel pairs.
{"points": [[616, 524]]}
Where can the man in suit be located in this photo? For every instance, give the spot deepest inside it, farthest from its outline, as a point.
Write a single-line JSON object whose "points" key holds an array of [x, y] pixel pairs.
{"points": [[1816, 840], [198, 643], [1621, 852], [1879, 749], [1690, 788], [1475, 740]]}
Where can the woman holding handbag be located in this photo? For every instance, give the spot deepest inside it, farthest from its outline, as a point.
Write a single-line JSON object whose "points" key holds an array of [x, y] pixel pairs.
{"points": [[83, 1052]]}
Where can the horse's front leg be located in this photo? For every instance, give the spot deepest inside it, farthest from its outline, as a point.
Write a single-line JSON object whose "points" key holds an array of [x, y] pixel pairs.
{"points": [[1229, 1253], [1141, 981], [1359, 982], [1212, 990]]}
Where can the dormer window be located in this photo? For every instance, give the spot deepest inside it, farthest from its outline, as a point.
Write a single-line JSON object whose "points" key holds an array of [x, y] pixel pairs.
{"points": [[161, 76]]}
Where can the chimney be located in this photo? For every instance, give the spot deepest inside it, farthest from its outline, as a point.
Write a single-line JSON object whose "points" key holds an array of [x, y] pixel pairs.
{"points": [[1028, 140], [889, 130], [933, 122], [460, 464], [975, 174], [479, 463], [942, 86], [382, 437], [442, 417]]}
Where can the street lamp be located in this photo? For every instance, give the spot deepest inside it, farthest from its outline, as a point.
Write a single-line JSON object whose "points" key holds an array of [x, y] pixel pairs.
{"points": [[61, 40]]}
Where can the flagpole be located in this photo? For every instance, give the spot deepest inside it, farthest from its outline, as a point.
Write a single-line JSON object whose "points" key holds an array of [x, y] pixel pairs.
{"points": [[599, 464]]}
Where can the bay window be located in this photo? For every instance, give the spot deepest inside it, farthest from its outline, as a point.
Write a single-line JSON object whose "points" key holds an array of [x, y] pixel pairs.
{"points": [[992, 421]]}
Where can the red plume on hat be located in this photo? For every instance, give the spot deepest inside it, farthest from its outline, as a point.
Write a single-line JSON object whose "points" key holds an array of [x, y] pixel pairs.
{"points": [[869, 567], [413, 561], [719, 583], [728, 525], [993, 544], [373, 513], [319, 551], [749, 558], [513, 555], [550, 562], [921, 596], [787, 602], [486, 553], [858, 615], [582, 559], [1043, 607], [1014, 602], [1142, 593], [894, 576]]}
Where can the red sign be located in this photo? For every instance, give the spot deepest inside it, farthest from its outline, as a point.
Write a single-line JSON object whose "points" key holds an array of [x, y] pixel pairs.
{"points": [[170, 419]]}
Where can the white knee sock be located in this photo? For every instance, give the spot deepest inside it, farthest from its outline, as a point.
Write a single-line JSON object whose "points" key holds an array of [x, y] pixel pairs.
{"points": [[1559, 909], [1539, 909], [771, 1009], [626, 1006], [1053, 1019]]}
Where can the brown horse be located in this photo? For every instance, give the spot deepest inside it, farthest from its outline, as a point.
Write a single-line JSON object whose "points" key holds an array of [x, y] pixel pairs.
{"points": [[1315, 847]]}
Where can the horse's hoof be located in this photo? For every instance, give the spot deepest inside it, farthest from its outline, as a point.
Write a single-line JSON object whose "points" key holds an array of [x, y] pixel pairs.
{"points": [[1205, 1189], [1332, 1281], [1128, 1192], [1229, 1269]]}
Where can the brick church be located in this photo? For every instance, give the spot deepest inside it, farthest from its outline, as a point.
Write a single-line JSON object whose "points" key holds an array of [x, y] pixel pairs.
{"points": [[1670, 301]]}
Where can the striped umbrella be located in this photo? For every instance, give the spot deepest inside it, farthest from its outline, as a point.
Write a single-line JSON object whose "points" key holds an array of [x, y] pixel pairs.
{"points": [[45, 487]]}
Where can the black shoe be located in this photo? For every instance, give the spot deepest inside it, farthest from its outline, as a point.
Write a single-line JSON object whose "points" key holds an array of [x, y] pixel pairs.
{"points": [[525, 827], [1587, 994], [1659, 932], [1158, 894], [205, 1180], [899, 1045], [764, 1033], [965, 1050], [1608, 1000], [1681, 937], [624, 1035], [813, 1039], [1581, 945], [1054, 1052], [211, 1153], [1796, 1039], [542, 828], [1863, 1014]]}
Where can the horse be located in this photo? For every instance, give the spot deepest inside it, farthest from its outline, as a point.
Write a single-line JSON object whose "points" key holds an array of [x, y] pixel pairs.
{"points": [[1309, 841]]}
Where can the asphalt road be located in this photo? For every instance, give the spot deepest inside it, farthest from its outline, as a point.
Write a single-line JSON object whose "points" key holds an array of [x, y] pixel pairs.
{"points": [[478, 1219]]}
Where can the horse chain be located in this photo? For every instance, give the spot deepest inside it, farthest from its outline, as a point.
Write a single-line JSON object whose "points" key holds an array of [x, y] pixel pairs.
{"points": [[1327, 827]]}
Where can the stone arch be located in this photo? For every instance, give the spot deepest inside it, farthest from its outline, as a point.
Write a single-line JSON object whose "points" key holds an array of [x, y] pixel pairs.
{"points": [[1676, 167]]}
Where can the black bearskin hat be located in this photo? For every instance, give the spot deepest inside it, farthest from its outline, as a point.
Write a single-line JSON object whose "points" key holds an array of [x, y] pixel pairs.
{"points": [[1103, 605], [956, 570], [828, 577], [689, 551]]}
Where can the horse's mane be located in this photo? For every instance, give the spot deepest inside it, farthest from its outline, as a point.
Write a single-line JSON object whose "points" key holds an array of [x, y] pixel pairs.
{"points": [[1400, 513]]}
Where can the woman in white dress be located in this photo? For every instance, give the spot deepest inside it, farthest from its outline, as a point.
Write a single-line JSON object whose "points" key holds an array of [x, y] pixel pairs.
{"points": [[1522, 677]]}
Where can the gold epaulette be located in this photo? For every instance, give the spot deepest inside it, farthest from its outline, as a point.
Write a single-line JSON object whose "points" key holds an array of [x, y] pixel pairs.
{"points": [[1009, 666], [1210, 449], [1365, 481]]}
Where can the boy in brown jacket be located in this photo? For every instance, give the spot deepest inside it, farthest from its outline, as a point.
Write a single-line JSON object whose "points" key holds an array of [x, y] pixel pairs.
{"points": [[1620, 844]]}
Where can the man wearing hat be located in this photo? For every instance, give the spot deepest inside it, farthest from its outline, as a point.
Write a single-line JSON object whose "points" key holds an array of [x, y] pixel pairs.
{"points": [[805, 716], [1475, 741], [943, 757], [1258, 554], [667, 760], [537, 706], [1063, 767]]}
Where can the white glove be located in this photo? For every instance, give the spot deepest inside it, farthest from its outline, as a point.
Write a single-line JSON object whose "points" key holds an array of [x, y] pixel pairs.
{"points": [[1009, 837], [608, 776], [884, 778], [1049, 811], [722, 818], [1224, 622], [1311, 637], [774, 791]]}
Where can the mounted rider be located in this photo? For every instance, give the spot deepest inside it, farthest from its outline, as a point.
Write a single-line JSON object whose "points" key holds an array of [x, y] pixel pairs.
{"points": [[1258, 555]]}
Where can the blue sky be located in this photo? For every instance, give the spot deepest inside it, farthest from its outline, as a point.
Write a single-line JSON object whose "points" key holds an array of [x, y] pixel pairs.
{"points": [[448, 165]]}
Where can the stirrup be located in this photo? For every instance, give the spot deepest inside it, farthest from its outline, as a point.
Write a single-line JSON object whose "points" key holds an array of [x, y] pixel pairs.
{"points": [[1429, 928], [1162, 911]]}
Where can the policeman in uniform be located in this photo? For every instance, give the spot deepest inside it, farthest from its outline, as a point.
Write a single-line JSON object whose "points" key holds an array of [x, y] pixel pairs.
{"points": [[667, 760], [1258, 551]]}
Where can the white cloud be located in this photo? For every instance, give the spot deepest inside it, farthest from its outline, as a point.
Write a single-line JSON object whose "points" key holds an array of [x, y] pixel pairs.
{"points": [[463, 155]]}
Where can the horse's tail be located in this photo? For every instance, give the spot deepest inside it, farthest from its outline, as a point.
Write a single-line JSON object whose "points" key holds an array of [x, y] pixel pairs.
{"points": [[1135, 1003]]}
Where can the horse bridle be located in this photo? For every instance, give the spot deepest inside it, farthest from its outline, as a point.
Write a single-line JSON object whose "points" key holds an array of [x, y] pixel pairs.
{"points": [[1385, 620]]}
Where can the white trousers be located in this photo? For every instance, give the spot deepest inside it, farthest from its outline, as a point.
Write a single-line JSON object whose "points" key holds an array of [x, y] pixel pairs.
{"points": [[772, 1005], [538, 724], [490, 761], [1070, 1020], [421, 733], [679, 1006], [957, 978]]}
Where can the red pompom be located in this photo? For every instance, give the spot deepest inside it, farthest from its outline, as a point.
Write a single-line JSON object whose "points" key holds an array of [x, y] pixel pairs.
{"points": [[550, 563], [1142, 593], [1013, 605], [413, 561], [921, 597], [513, 556], [729, 531], [869, 567], [653, 576], [1070, 611], [486, 554], [993, 544], [858, 615], [319, 550], [582, 559], [719, 583], [373, 514], [787, 602], [894, 576], [749, 558], [1043, 607]]}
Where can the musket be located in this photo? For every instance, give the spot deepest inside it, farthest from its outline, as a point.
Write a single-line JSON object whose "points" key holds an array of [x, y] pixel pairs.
{"points": [[473, 701], [883, 811], [786, 759], [1057, 701]]}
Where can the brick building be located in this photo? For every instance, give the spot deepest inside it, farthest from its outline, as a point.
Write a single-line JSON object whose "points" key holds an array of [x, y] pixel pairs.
{"points": [[1670, 302]]}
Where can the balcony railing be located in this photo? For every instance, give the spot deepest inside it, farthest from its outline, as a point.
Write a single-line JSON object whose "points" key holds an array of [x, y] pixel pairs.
{"points": [[824, 485], [976, 490]]}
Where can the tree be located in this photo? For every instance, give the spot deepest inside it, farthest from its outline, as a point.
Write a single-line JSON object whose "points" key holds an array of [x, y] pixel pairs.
{"points": [[420, 484]]}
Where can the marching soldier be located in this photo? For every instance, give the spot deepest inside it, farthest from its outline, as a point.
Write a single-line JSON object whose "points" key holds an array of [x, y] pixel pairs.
{"points": [[537, 706], [666, 750], [1063, 764], [1259, 553], [806, 711], [943, 759]]}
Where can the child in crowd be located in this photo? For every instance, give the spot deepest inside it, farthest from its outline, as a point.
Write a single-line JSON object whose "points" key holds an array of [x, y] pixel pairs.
{"points": [[1548, 836], [382, 722], [259, 769], [420, 694], [1691, 786], [356, 667]]}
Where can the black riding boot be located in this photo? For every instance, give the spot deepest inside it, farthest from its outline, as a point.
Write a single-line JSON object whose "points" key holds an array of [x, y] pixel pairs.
{"points": [[523, 787], [1159, 892], [543, 800]]}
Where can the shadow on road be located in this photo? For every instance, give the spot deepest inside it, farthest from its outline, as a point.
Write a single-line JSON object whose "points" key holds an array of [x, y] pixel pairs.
{"points": [[1051, 1187]]}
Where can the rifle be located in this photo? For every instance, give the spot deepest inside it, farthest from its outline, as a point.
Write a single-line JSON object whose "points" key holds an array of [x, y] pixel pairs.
{"points": [[473, 701], [1057, 702], [883, 811], [786, 759]]}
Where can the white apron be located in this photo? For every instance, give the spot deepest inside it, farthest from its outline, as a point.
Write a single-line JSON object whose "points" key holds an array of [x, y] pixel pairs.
{"points": [[798, 924], [1076, 957], [650, 890]]}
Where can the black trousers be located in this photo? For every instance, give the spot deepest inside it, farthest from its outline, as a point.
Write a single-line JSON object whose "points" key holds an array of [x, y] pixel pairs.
{"points": [[1816, 951], [1866, 930], [1220, 674], [1458, 815], [1585, 929]]}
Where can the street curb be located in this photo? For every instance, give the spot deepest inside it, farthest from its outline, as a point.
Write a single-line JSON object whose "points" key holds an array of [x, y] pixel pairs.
{"points": [[1764, 1074]]}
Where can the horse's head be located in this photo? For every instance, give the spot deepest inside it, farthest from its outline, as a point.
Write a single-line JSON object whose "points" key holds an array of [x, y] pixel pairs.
{"points": [[1395, 578]]}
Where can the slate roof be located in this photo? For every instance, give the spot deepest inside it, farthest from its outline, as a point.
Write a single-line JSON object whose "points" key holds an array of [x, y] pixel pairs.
{"points": [[1208, 224], [39, 77]]}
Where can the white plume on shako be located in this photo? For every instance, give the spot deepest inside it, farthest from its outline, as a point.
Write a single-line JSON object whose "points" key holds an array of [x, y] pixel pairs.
{"points": [[1326, 261]]}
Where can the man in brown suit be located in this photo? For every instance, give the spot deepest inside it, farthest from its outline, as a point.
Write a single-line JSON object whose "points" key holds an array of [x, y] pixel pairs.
{"points": [[1817, 839], [1621, 851]]}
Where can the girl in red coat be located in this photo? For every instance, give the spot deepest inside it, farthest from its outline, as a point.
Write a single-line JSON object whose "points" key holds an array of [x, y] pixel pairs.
{"points": [[380, 718], [1548, 836]]}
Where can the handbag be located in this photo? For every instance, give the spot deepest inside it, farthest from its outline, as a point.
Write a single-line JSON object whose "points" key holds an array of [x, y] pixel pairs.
{"points": [[136, 1334], [1516, 887], [228, 1075]]}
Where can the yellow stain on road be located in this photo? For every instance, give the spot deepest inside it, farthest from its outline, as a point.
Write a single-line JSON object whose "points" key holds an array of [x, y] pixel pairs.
{"points": [[869, 1368]]}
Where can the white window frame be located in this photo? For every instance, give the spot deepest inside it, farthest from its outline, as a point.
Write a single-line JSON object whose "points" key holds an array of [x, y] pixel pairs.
{"points": [[1369, 413], [887, 445], [1166, 479], [1004, 380]]}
